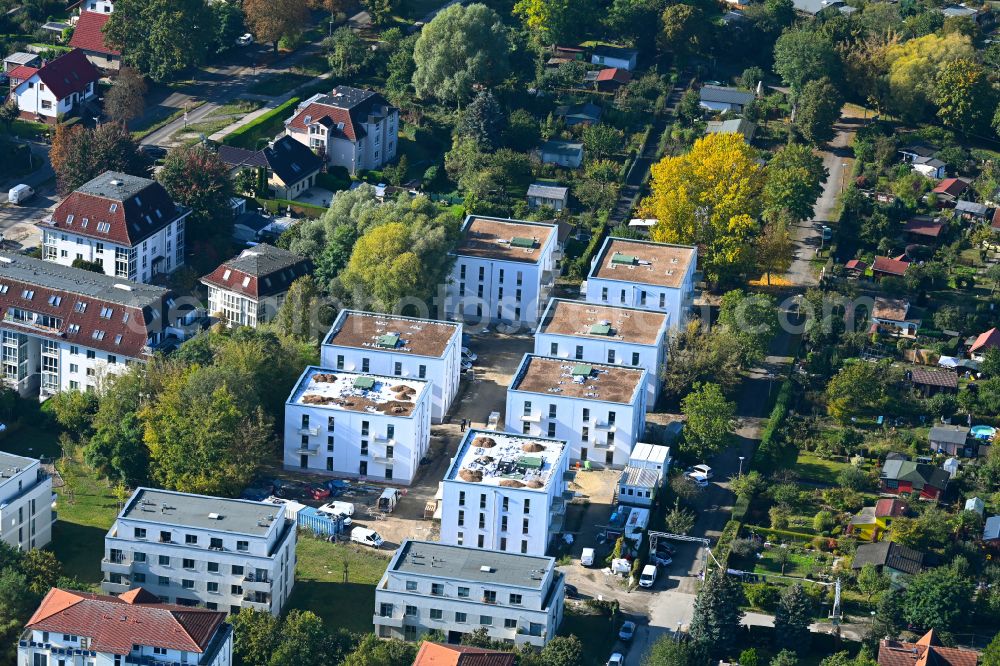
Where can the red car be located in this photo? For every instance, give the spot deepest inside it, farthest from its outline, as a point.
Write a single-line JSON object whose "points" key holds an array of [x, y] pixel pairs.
{"points": [[319, 492]]}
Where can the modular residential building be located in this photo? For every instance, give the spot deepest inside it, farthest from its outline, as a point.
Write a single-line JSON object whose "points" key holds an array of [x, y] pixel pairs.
{"points": [[645, 275], [133, 628], [26, 500], [457, 590], [196, 550], [399, 346], [504, 270], [357, 424], [599, 409], [617, 335], [505, 492]]}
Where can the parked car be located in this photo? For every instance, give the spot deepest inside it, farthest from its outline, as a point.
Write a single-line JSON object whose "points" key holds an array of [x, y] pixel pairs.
{"points": [[153, 152], [701, 469], [18, 194], [366, 537], [318, 492], [616, 659], [344, 508], [699, 479], [661, 559], [627, 631], [648, 576], [571, 591], [246, 39], [469, 354], [256, 494]]}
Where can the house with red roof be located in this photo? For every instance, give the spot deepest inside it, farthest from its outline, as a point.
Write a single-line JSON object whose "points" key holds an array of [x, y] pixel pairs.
{"points": [[350, 127], [610, 79], [983, 343], [441, 654], [132, 628], [927, 651], [59, 87], [950, 189], [893, 267], [89, 38]]}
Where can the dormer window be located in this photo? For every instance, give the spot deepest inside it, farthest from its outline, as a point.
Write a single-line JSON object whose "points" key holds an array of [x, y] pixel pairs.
{"points": [[246, 281], [74, 328], [225, 276], [55, 300], [97, 334], [69, 218], [80, 307], [27, 294], [106, 312]]}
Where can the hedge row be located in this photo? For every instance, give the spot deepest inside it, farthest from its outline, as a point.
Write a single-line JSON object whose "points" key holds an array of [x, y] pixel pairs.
{"points": [[729, 533], [247, 136], [740, 509], [774, 452], [582, 266], [795, 536]]}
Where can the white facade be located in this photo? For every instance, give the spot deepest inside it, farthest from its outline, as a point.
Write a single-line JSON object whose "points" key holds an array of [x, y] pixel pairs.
{"points": [[401, 347], [617, 344], [26, 499], [35, 98], [494, 278], [49, 648], [189, 549], [432, 586], [355, 424], [598, 430], [241, 310], [651, 456], [660, 277], [130, 262], [518, 518]]}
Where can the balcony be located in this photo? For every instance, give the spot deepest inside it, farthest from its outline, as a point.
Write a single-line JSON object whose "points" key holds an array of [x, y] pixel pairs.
{"points": [[382, 457], [385, 438], [606, 425], [387, 621], [119, 565], [254, 583], [309, 431], [116, 588], [533, 418], [257, 600], [307, 449], [527, 639]]}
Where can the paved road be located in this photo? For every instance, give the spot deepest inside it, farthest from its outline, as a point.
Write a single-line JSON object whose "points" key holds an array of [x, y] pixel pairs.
{"points": [[838, 158], [17, 223]]}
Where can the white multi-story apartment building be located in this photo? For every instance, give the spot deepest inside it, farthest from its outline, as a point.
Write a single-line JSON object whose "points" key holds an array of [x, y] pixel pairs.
{"points": [[599, 409], [65, 328], [131, 629], [595, 333], [196, 550], [352, 128], [126, 224], [645, 275], [357, 424], [26, 500], [504, 270], [457, 589], [505, 492], [399, 346], [248, 289]]}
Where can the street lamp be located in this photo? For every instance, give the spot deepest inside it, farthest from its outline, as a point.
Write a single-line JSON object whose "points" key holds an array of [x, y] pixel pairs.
{"points": [[741, 466], [843, 175]]}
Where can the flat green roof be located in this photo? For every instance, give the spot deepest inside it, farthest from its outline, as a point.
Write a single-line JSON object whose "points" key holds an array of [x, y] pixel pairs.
{"points": [[582, 370], [533, 462], [364, 382], [619, 258], [390, 340], [600, 329], [521, 241]]}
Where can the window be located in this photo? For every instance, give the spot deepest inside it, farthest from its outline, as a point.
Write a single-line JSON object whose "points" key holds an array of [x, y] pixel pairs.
{"points": [[187, 563], [187, 584], [552, 411], [237, 570], [191, 539], [527, 506], [140, 532], [611, 356], [236, 589], [527, 408], [461, 618], [604, 293], [482, 273], [506, 503], [411, 586], [159, 650], [213, 567], [463, 593], [212, 587], [585, 433], [411, 611], [139, 557], [611, 418], [663, 300], [365, 425], [526, 428], [242, 546], [515, 600], [480, 541], [635, 358], [524, 526], [422, 372], [385, 610], [510, 623], [482, 521], [330, 423], [163, 581], [551, 430], [503, 523], [215, 543], [554, 349], [482, 501], [579, 352], [364, 365], [437, 614], [164, 560], [486, 620], [340, 361]]}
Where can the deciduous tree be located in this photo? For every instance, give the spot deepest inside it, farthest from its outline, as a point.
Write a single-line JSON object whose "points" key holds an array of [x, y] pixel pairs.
{"points": [[117, 447], [856, 390], [965, 99], [802, 55], [937, 598], [303, 314], [270, 20], [346, 52], [79, 154], [602, 140], [914, 66], [161, 37], [553, 21], [793, 181], [483, 121], [685, 29], [817, 110], [710, 420], [126, 98]]}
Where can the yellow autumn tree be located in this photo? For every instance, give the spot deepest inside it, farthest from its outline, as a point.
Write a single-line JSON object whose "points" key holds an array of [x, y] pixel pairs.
{"points": [[914, 66], [709, 197]]}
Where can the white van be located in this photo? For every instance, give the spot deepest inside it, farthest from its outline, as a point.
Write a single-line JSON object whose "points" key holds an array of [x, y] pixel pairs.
{"points": [[366, 536], [343, 508], [587, 557], [648, 576], [19, 194]]}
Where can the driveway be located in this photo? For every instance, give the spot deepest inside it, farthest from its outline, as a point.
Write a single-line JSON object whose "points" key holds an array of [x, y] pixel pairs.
{"points": [[17, 223]]}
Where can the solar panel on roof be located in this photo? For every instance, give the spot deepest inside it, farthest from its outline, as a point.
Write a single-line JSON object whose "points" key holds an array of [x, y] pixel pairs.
{"points": [[364, 383], [582, 370]]}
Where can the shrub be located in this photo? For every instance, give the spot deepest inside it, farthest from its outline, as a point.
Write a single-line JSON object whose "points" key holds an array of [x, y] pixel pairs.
{"points": [[743, 548], [824, 521], [762, 595], [779, 517], [606, 607]]}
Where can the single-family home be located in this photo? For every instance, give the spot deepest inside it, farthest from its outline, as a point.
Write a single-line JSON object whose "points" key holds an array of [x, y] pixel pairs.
{"points": [[889, 316], [722, 98], [927, 651], [567, 154], [985, 342], [88, 36], [813, 7], [856, 268], [248, 289], [440, 654], [871, 522], [21, 59], [923, 228], [586, 113], [950, 189], [930, 167], [732, 126], [902, 477], [888, 557], [609, 79], [962, 11], [615, 56], [889, 266], [58, 88], [288, 167], [352, 128], [928, 382], [948, 439], [543, 194]]}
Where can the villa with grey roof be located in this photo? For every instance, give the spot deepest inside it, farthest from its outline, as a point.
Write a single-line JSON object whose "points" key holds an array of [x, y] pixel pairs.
{"points": [[196, 550], [357, 424], [457, 590]]}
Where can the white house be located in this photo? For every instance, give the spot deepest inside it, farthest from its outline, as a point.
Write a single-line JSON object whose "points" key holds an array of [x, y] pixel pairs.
{"points": [[890, 315], [615, 56], [456, 590], [196, 550], [930, 167], [249, 289], [399, 346], [543, 194], [505, 492], [64, 328], [126, 224], [357, 424], [355, 129], [57, 88], [637, 486], [721, 98], [645, 275], [599, 409], [26, 500], [598, 333], [79, 628], [567, 154], [503, 271]]}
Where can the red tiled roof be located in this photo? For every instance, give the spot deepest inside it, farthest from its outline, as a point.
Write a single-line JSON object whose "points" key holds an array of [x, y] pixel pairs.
{"points": [[996, 218], [856, 265], [614, 74], [988, 340], [317, 112], [89, 34], [890, 266], [22, 73], [889, 508], [115, 624], [951, 186], [924, 226], [927, 651], [436, 654], [69, 73]]}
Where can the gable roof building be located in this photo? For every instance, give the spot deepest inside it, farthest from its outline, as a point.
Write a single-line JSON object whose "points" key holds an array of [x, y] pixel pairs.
{"points": [[722, 98], [888, 555], [68, 81], [587, 113], [290, 166], [905, 476], [927, 651], [986, 341], [134, 625], [440, 654], [88, 36], [950, 188], [889, 266], [732, 126]]}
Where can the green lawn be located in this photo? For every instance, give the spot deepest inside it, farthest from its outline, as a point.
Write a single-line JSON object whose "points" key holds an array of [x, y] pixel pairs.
{"points": [[255, 134], [594, 631], [799, 565], [818, 470], [320, 586], [278, 84]]}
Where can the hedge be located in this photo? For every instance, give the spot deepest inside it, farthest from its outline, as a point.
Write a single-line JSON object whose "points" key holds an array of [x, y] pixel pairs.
{"points": [[248, 135], [729, 533], [740, 509], [773, 451], [796, 536]]}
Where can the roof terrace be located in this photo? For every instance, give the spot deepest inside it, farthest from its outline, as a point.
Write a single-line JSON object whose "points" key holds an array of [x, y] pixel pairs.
{"points": [[507, 461], [357, 392]]}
